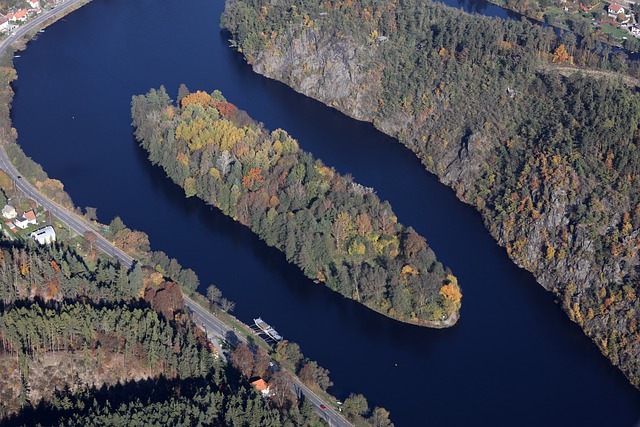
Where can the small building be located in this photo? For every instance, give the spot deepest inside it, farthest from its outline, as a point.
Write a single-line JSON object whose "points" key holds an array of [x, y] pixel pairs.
{"points": [[9, 212], [262, 386], [31, 217], [35, 4], [635, 30], [25, 219], [614, 9], [11, 226], [21, 222], [44, 235], [4, 24]]}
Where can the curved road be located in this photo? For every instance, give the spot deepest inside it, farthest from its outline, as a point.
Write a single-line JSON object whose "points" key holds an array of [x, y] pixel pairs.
{"points": [[80, 225], [74, 222]]}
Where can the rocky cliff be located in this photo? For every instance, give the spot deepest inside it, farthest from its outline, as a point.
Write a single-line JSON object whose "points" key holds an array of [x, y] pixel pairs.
{"points": [[485, 122]]}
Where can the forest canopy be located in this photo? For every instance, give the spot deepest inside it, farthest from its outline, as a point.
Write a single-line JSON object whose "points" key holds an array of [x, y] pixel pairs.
{"points": [[336, 230]]}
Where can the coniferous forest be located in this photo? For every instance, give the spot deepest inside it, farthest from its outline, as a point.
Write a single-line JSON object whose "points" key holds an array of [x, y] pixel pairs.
{"points": [[89, 342]]}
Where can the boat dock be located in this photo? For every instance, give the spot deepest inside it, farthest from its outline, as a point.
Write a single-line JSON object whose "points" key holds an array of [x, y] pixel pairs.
{"points": [[264, 327]]}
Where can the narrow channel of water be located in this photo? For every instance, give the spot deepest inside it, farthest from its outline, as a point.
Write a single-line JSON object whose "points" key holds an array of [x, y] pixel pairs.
{"points": [[513, 359]]}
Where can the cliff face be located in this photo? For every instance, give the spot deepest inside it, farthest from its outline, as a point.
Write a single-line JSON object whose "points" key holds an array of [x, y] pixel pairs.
{"points": [[538, 220]]}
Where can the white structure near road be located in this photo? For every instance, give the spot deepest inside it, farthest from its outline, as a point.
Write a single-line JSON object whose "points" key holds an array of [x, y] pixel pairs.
{"points": [[25, 219], [9, 212], [44, 235]]}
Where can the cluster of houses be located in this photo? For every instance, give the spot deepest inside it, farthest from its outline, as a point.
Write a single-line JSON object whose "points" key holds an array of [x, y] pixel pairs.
{"points": [[43, 236], [13, 19], [624, 17]]}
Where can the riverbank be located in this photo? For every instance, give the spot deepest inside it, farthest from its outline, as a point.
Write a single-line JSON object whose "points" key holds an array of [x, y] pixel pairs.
{"points": [[135, 243], [540, 207]]}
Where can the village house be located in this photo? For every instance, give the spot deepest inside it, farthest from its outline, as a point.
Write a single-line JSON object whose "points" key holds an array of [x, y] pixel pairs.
{"points": [[44, 235], [35, 4], [25, 219], [262, 386], [4, 24], [19, 16], [9, 212], [618, 12]]}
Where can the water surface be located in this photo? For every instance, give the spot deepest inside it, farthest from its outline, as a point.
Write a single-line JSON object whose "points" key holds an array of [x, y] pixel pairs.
{"points": [[513, 359]]}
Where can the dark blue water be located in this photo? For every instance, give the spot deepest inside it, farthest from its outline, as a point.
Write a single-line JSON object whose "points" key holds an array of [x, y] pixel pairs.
{"points": [[513, 359]]}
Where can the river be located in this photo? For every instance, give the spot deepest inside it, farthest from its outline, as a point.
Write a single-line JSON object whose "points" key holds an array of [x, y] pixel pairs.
{"points": [[514, 358]]}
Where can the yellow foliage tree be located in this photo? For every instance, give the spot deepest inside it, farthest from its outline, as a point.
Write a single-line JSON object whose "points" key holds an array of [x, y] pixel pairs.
{"points": [[560, 56], [199, 97], [408, 270]]}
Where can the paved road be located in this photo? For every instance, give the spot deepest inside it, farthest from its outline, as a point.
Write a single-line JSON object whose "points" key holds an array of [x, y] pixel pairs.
{"points": [[214, 326], [80, 226], [23, 29], [73, 221]]}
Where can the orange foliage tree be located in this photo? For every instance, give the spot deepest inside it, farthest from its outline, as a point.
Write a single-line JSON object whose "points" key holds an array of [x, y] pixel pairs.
{"points": [[199, 97], [253, 179]]}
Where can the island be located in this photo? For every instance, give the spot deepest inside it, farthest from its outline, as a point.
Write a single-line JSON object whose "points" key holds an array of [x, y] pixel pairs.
{"points": [[336, 230]]}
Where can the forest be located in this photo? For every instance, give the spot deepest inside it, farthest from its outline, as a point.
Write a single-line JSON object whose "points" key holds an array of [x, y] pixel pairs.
{"points": [[538, 131], [77, 334], [336, 230]]}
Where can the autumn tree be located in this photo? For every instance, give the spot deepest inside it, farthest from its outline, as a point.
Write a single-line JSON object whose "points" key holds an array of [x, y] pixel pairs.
{"points": [[227, 305], [213, 294], [89, 239], [413, 243], [242, 359], [451, 293], [261, 363], [223, 162], [341, 229], [313, 375], [200, 97], [6, 183], [356, 404], [560, 56], [280, 387], [253, 179], [91, 214], [380, 418]]}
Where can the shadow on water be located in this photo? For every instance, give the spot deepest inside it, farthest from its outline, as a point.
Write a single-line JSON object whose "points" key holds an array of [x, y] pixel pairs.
{"points": [[514, 357]]}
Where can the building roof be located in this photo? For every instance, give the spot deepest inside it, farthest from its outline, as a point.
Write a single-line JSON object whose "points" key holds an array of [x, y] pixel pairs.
{"points": [[8, 208], [30, 216], [260, 384], [21, 219], [615, 7], [3, 20], [44, 235]]}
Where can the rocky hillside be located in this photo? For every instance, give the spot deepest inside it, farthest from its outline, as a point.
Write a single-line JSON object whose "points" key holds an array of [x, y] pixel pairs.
{"points": [[550, 161]]}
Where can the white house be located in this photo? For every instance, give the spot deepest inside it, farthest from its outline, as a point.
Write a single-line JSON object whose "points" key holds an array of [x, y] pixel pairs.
{"points": [[44, 235], [35, 4], [614, 9], [25, 219], [9, 212], [4, 24], [21, 222]]}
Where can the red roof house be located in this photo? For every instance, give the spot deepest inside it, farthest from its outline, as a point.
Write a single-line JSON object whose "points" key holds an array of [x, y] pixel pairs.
{"points": [[262, 386]]}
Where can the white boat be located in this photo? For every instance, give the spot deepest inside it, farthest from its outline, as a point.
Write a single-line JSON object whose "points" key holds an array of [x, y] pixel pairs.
{"points": [[267, 329]]}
